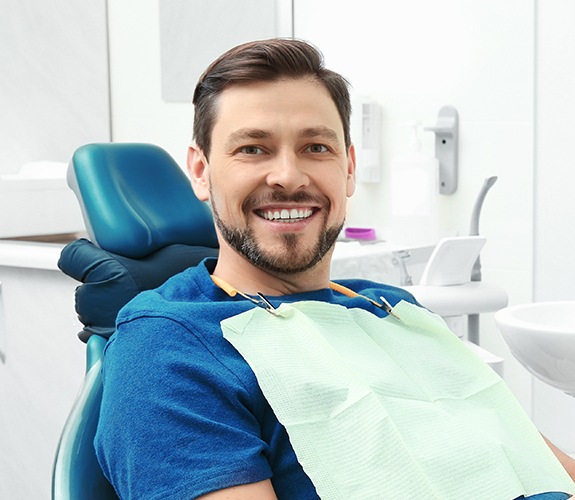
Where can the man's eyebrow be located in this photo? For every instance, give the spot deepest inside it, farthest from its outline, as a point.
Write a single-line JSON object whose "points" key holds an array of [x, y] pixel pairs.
{"points": [[321, 131], [247, 133]]}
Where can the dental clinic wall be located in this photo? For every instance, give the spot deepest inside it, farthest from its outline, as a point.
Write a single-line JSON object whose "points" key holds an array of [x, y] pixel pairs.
{"points": [[413, 57], [54, 84]]}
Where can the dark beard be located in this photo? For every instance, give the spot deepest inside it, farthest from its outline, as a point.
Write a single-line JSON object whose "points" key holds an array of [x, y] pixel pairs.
{"points": [[291, 261]]}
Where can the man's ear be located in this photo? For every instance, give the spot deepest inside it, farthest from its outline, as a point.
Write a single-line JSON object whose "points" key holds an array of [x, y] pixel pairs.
{"points": [[198, 170], [351, 167]]}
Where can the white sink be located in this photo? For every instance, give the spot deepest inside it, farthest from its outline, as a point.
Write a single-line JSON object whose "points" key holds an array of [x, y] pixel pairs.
{"points": [[542, 337]]}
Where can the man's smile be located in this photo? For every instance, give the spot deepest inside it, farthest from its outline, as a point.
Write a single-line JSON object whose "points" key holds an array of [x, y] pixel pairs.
{"points": [[286, 215]]}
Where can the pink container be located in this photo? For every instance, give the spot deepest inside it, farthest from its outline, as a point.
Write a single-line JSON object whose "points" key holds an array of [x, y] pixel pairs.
{"points": [[360, 233]]}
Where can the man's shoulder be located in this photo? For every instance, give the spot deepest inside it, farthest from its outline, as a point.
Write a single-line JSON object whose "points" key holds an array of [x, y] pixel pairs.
{"points": [[188, 302], [188, 286]]}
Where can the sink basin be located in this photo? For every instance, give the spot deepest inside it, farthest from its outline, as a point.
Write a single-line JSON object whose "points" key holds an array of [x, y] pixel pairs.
{"points": [[541, 336]]}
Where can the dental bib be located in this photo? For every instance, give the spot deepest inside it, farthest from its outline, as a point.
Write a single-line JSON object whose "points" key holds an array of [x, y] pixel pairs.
{"points": [[386, 408]]}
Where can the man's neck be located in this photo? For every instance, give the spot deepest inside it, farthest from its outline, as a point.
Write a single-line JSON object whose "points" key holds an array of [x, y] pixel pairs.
{"points": [[246, 277]]}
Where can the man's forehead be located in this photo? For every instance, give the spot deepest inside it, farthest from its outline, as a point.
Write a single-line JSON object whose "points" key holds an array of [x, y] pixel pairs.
{"points": [[250, 110]]}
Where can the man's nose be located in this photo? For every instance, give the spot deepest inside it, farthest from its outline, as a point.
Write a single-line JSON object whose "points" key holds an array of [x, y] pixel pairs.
{"points": [[287, 171]]}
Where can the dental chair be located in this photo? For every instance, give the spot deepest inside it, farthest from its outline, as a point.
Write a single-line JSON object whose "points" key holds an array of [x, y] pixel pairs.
{"points": [[144, 225]]}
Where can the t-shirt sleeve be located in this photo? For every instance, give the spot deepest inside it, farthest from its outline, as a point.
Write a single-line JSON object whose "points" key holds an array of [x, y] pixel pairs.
{"points": [[175, 422]]}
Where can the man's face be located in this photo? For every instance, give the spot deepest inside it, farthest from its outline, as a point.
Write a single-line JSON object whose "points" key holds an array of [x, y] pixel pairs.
{"points": [[278, 174]]}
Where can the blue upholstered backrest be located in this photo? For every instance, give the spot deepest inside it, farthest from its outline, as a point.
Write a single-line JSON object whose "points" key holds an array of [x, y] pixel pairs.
{"points": [[136, 200]]}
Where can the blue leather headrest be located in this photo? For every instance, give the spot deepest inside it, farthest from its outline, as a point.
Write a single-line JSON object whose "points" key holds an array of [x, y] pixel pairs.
{"points": [[135, 199], [109, 280]]}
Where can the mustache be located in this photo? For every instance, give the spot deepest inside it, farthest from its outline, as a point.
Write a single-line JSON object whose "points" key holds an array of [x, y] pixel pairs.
{"points": [[272, 197]]}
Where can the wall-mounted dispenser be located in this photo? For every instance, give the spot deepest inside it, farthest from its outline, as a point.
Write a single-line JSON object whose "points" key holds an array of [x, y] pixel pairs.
{"points": [[446, 148], [367, 134]]}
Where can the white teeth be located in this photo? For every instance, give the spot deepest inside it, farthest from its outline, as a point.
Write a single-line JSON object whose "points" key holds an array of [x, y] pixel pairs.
{"points": [[285, 215]]}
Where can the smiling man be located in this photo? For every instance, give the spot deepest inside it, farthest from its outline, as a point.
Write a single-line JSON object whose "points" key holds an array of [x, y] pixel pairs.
{"points": [[253, 376], [283, 170]]}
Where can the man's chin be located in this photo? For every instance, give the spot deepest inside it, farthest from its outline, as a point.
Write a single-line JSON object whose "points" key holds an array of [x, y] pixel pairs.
{"points": [[286, 264], [292, 258], [290, 254]]}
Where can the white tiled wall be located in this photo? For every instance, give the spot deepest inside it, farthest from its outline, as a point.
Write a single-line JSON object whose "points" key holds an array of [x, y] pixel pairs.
{"points": [[54, 84], [53, 98], [138, 111]]}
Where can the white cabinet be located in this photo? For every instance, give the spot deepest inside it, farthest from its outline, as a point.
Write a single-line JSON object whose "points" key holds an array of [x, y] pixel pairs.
{"points": [[40, 373]]}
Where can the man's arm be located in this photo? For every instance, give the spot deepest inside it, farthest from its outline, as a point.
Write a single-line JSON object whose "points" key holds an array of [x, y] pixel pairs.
{"points": [[173, 405], [262, 491], [566, 461]]}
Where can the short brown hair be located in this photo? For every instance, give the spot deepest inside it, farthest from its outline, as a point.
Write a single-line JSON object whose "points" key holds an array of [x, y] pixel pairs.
{"points": [[264, 60]]}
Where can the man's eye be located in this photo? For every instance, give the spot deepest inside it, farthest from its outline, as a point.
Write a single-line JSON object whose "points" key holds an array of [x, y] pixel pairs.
{"points": [[317, 148], [252, 150]]}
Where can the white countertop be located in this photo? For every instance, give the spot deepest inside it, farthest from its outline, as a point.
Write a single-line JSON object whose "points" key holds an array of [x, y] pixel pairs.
{"points": [[30, 254], [350, 259]]}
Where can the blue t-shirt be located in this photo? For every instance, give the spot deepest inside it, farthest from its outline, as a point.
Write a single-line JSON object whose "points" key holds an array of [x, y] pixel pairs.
{"points": [[182, 413]]}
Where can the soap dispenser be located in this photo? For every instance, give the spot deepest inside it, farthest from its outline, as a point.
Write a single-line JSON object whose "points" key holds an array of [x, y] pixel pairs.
{"points": [[414, 195]]}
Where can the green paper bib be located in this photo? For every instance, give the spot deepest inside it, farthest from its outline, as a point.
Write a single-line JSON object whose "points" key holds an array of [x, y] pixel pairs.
{"points": [[385, 408]]}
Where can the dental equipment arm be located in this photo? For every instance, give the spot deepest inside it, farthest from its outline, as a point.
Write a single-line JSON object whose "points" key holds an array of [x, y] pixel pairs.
{"points": [[473, 319]]}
